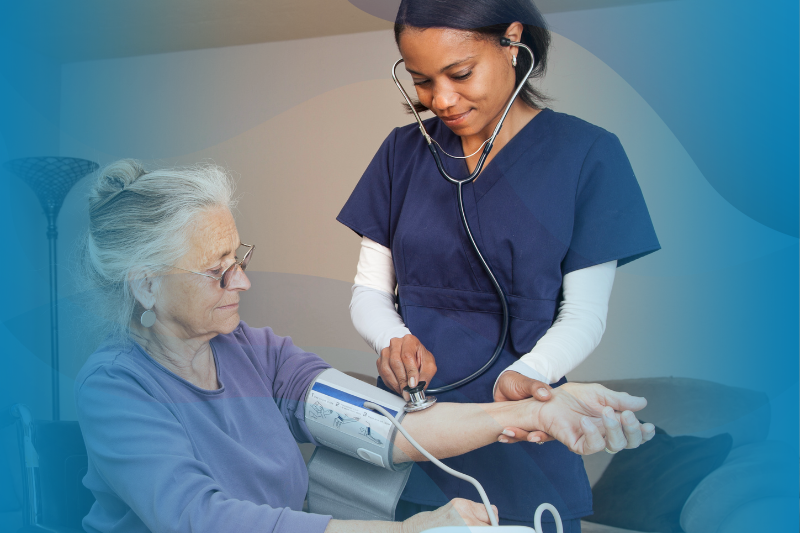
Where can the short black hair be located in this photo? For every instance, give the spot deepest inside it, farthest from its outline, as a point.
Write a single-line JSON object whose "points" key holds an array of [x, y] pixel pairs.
{"points": [[490, 19]]}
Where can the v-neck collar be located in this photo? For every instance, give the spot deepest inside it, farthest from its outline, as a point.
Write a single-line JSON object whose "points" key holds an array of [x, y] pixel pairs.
{"points": [[502, 160], [186, 382]]}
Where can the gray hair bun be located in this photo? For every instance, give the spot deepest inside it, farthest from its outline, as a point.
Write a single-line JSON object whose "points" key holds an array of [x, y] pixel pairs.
{"points": [[113, 180]]}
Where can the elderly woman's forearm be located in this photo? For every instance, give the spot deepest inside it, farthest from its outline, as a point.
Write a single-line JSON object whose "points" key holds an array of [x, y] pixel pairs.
{"points": [[363, 526], [450, 429]]}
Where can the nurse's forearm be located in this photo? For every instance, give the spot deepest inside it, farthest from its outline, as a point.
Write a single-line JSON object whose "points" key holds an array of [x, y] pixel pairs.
{"points": [[372, 307], [578, 328], [375, 317], [450, 429]]}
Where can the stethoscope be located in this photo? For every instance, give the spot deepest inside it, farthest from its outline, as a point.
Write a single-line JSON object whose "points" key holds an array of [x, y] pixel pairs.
{"points": [[418, 399]]}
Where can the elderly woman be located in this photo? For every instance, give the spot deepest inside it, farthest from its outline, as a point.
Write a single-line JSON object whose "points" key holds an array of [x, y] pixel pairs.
{"points": [[190, 416]]}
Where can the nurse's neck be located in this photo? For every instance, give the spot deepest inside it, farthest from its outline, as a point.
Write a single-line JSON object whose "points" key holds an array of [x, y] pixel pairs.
{"points": [[518, 117]]}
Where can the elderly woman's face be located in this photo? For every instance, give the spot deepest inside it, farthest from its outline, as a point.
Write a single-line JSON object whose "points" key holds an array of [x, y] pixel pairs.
{"points": [[195, 306]]}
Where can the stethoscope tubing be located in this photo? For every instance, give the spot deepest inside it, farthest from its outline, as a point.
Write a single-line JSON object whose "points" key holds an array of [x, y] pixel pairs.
{"points": [[432, 146], [500, 294]]}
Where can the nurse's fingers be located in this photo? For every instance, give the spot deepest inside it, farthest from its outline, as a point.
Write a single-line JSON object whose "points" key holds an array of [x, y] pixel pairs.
{"points": [[539, 436], [632, 429], [510, 435], [385, 368], [615, 437], [427, 365], [408, 356], [401, 362], [514, 386], [398, 369]]}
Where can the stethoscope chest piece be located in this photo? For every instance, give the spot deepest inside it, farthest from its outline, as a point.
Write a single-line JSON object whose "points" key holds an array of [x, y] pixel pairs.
{"points": [[418, 400]]}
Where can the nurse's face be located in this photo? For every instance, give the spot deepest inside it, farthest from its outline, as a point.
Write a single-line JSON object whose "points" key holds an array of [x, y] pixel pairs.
{"points": [[463, 77]]}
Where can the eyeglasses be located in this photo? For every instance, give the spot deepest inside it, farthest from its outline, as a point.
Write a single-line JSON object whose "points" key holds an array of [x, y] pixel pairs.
{"points": [[225, 278]]}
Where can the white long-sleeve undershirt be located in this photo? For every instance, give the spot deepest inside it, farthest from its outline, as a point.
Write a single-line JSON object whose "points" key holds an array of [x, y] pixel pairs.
{"points": [[575, 333], [372, 306]]}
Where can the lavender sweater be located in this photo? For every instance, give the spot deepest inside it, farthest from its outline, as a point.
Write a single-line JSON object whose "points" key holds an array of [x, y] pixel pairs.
{"points": [[165, 455]]}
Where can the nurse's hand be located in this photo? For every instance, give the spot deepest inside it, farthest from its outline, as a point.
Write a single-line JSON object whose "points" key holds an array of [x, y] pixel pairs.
{"points": [[406, 362], [514, 386], [458, 512]]}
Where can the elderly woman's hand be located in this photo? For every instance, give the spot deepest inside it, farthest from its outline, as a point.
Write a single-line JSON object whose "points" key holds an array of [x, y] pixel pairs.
{"points": [[589, 417], [458, 512], [616, 409]]}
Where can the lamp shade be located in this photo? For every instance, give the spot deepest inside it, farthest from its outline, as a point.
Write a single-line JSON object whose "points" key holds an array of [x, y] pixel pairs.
{"points": [[51, 178]]}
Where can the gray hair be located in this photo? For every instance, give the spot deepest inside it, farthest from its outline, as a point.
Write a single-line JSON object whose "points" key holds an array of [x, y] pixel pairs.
{"points": [[141, 220]]}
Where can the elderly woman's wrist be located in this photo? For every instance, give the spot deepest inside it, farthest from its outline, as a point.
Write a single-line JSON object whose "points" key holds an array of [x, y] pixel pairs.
{"points": [[415, 524], [524, 414]]}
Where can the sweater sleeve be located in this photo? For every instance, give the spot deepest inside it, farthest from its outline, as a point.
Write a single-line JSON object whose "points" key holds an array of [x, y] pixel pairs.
{"points": [[291, 371], [144, 455]]}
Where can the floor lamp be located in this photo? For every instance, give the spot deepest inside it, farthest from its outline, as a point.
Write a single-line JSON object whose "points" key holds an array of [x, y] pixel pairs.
{"points": [[51, 178]]}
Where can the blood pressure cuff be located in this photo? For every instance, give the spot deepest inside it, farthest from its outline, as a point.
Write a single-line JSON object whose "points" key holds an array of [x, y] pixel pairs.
{"points": [[352, 489], [351, 476], [336, 416]]}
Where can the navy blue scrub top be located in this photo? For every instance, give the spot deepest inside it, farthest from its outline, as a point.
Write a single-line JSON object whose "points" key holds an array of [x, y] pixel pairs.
{"points": [[560, 196]]}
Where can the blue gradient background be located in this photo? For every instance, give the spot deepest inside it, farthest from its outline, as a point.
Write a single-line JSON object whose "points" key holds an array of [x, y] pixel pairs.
{"points": [[722, 75]]}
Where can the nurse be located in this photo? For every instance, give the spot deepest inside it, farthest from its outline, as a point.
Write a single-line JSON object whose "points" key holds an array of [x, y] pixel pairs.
{"points": [[556, 209]]}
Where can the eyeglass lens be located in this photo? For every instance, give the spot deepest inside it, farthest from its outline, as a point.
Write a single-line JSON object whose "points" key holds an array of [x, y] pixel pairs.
{"points": [[226, 276]]}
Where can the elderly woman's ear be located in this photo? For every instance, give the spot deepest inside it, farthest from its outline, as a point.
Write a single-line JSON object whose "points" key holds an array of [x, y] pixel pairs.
{"points": [[144, 285]]}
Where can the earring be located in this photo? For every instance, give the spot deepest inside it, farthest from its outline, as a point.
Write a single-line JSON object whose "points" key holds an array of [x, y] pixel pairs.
{"points": [[148, 318], [514, 61]]}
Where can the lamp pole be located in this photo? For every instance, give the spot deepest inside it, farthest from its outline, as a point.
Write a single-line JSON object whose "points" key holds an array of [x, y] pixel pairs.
{"points": [[51, 178], [51, 211]]}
